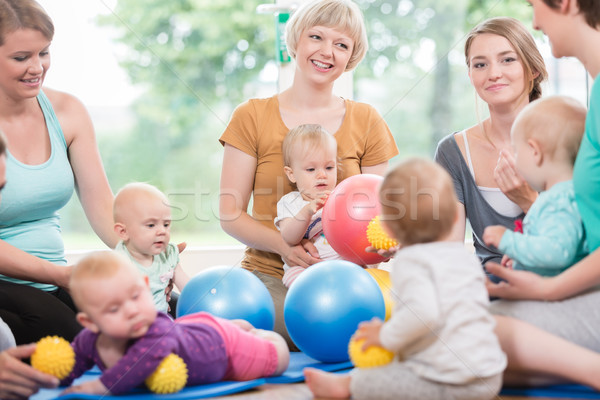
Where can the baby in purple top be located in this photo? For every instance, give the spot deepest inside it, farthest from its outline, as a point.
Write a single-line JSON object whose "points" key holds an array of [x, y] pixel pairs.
{"points": [[127, 338]]}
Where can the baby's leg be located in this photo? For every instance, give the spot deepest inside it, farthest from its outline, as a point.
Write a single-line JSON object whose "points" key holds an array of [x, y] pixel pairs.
{"points": [[283, 352], [242, 323], [253, 353], [327, 384], [397, 381]]}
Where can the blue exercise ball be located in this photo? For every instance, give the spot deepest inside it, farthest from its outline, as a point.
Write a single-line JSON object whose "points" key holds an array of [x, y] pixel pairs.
{"points": [[231, 293], [325, 304]]}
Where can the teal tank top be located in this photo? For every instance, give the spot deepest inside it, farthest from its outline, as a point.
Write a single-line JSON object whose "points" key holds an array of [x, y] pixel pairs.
{"points": [[586, 174], [32, 197]]}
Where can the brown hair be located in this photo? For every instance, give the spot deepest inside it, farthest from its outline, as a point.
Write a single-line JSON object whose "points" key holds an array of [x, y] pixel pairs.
{"points": [[521, 40], [343, 15], [2, 143], [24, 14], [589, 8], [556, 122], [418, 203]]}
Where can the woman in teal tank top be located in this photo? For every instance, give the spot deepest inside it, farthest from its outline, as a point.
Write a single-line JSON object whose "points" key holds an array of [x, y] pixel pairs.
{"points": [[51, 150], [559, 336]]}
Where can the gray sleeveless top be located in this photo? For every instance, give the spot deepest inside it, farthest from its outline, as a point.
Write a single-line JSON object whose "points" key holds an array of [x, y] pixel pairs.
{"points": [[478, 211]]}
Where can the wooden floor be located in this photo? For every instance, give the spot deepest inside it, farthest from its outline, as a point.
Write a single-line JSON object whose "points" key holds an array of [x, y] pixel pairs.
{"points": [[299, 391]]}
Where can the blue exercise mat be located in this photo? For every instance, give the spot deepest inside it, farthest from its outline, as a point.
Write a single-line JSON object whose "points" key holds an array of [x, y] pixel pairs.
{"points": [[560, 391], [298, 361]]}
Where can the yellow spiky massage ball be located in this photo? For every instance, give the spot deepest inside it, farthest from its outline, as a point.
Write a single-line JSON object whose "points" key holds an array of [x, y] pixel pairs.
{"points": [[377, 237], [53, 355], [169, 377], [374, 356]]}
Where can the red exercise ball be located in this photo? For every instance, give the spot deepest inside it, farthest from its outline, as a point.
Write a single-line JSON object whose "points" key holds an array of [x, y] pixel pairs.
{"points": [[347, 213]]}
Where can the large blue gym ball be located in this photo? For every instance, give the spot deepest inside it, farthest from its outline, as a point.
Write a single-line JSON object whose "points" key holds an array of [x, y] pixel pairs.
{"points": [[228, 292], [325, 304]]}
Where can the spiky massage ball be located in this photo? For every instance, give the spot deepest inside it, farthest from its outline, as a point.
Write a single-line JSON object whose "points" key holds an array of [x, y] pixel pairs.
{"points": [[53, 355], [377, 237], [373, 356], [169, 377]]}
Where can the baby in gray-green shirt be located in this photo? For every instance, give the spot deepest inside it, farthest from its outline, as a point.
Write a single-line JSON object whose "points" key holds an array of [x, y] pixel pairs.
{"points": [[143, 222]]}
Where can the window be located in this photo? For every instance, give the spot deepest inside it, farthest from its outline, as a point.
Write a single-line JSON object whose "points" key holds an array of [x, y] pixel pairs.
{"points": [[161, 79]]}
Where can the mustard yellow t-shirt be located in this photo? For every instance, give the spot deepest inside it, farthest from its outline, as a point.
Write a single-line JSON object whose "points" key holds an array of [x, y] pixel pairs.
{"points": [[256, 128]]}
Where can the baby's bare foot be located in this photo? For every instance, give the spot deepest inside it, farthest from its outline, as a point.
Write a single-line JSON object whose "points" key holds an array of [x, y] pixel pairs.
{"points": [[326, 384], [242, 323]]}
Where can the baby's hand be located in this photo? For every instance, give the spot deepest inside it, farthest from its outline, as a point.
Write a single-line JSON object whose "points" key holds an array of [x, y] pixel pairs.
{"points": [[318, 202], [506, 261], [369, 330], [493, 234], [385, 253], [91, 387]]}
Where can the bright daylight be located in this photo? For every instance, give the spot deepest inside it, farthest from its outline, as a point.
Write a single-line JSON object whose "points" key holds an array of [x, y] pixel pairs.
{"points": [[299, 199]]}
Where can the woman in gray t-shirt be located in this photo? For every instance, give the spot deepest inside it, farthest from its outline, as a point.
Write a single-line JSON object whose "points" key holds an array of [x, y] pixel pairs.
{"points": [[506, 69]]}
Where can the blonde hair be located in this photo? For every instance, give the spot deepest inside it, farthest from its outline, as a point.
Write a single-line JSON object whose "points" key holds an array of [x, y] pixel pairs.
{"points": [[343, 15], [95, 266], [418, 202], [24, 14], [557, 123], [126, 195], [524, 45], [310, 136]]}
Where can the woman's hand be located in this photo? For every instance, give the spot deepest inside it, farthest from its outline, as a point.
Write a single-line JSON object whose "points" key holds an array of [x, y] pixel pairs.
{"points": [[304, 255], [168, 291], [19, 380], [169, 288], [62, 275], [516, 285], [512, 183]]}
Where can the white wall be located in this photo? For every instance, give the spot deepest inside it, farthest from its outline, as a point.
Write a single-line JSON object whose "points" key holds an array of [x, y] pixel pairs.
{"points": [[193, 259]]}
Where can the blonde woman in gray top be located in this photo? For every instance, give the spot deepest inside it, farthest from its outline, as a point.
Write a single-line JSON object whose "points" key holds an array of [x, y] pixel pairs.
{"points": [[505, 69]]}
